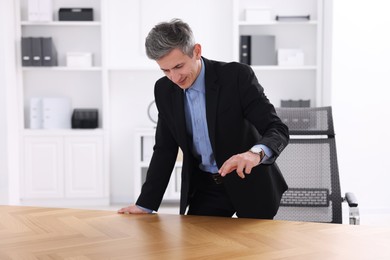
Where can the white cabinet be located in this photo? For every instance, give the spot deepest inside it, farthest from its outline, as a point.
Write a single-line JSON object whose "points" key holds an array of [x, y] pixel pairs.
{"points": [[144, 142], [59, 162], [60, 167], [299, 81], [43, 168], [84, 167]]}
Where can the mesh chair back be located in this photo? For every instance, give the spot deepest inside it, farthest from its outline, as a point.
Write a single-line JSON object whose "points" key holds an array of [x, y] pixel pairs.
{"points": [[309, 165]]}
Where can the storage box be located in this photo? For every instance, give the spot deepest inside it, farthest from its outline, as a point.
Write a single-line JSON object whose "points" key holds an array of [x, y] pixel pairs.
{"points": [[258, 15], [75, 14], [85, 118], [290, 57], [79, 59]]}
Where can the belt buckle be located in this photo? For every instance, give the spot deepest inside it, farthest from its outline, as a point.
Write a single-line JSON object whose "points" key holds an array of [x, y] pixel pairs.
{"points": [[217, 178]]}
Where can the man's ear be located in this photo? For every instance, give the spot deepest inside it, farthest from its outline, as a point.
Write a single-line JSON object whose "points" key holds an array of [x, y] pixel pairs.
{"points": [[197, 51]]}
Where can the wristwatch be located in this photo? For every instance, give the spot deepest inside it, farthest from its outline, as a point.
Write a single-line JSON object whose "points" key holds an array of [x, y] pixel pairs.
{"points": [[259, 151]]}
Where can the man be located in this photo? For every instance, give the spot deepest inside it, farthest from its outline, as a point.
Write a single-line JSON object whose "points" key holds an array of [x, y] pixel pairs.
{"points": [[219, 116]]}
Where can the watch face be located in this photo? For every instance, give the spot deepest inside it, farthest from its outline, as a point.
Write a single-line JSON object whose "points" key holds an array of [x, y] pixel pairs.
{"points": [[256, 150], [153, 112]]}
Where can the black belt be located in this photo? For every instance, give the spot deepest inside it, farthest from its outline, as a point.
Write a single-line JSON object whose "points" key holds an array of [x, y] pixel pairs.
{"points": [[213, 177]]}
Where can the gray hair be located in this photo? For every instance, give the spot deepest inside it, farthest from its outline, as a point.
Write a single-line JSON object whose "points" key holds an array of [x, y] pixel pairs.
{"points": [[166, 36]]}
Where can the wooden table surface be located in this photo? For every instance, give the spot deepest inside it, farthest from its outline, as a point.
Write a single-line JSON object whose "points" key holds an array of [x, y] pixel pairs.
{"points": [[75, 234]]}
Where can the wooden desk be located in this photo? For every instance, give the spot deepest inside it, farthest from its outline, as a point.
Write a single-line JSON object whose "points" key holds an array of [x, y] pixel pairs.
{"points": [[50, 233]]}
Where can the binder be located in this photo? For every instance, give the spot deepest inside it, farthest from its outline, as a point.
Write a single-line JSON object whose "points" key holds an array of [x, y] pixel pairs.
{"points": [[45, 10], [40, 10], [245, 46], [49, 53], [26, 51], [258, 49], [36, 119], [36, 47], [33, 10], [57, 113], [263, 50]]}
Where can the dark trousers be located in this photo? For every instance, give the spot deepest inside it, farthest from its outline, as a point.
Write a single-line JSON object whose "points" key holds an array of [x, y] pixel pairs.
{"points": [[210, 199]]}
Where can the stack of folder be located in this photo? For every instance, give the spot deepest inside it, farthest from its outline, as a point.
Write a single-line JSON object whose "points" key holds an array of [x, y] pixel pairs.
{"points": [[40, 10], [50, 113], [38, 51]]}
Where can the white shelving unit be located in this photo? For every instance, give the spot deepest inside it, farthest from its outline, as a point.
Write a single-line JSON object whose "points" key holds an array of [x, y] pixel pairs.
{"points": [[66, 166], [292, 82], [122, 73]]}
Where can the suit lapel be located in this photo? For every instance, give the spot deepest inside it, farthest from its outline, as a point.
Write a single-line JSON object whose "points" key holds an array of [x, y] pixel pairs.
{"points": [[212, 90], [178, 111]]}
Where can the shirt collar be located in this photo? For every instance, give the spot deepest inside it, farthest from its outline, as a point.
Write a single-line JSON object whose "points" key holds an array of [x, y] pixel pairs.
{"points": [[199, 83]]}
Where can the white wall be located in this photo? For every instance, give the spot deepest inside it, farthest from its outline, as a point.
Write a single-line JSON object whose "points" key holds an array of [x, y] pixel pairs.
{"points": [[3, 118], [361, 98], [8, 107]]}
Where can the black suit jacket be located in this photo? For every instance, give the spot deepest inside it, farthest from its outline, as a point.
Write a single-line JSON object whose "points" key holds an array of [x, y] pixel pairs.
{"points": [[239, 115]]}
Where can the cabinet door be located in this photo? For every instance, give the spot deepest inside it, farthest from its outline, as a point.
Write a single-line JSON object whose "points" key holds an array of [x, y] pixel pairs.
{"points": [[84, 167], [43, 168]]}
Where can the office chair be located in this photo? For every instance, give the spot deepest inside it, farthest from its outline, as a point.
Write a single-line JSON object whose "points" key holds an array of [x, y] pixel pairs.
{"points": [[309, 165]]}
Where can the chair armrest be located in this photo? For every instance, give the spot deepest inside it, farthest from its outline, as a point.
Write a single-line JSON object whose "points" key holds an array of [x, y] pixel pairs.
{"points": [[350, 198], [354, 215]]}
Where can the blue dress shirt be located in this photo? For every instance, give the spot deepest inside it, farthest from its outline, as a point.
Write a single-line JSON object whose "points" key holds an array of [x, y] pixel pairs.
{"points": [[195, 111]]}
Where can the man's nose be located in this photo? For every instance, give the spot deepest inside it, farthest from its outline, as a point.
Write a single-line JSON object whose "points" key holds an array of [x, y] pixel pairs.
{"points": [[175, 77]]}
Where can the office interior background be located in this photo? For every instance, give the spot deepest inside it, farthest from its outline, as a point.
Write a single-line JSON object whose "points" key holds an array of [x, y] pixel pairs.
{"points": [[357, 52]]}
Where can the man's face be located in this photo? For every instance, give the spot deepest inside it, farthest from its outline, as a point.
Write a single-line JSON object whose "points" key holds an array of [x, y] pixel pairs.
{"points": [[180, 68]]}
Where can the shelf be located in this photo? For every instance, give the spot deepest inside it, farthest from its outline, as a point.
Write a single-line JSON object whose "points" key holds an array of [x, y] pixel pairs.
{"points": [[276, 23], [278, 68], [61, 132], [61, 23], [135, 68], [60, 68]]}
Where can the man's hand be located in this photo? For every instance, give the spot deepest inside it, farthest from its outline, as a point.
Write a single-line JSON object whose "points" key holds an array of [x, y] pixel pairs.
{"points": [[240, 162], [132, 209]]}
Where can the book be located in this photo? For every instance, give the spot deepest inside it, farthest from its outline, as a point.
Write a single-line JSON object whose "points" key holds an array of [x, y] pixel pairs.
{"points": [[245, 49], [263, 50], [36, 51], [26, 51], [49, 53]]}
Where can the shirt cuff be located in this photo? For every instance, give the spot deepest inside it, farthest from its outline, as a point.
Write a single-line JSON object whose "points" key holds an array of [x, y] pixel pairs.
{"points": [[267, 153], [145, 209]]}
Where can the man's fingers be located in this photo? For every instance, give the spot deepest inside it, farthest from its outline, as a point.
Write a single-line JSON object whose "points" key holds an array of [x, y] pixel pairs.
{"points": [[227, 167], [248, 169], [240, 170], [133, 209], [242, 163]]}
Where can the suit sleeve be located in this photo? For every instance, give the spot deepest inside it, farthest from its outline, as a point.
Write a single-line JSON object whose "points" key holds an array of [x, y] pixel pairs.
{"points": [[161, 165], [261, 113]]}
